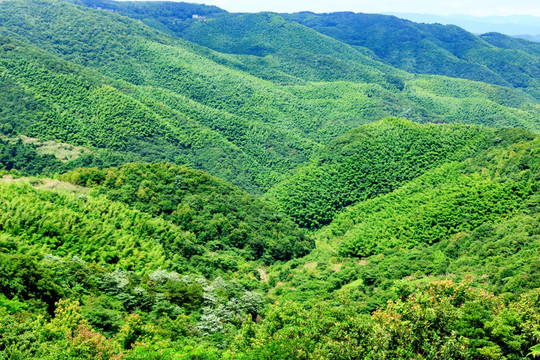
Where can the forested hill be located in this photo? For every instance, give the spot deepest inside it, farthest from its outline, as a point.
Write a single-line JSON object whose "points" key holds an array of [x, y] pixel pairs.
{"points": [[413, 47], [220, 216], [434, 48], [57, 100], [478, 216], [181, 182], [164, 12], [371, 160], [148, 253], [248, 119], [174, 216]]}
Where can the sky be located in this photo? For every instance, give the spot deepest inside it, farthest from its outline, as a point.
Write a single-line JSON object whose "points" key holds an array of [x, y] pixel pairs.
{"points": [[438, 7]]}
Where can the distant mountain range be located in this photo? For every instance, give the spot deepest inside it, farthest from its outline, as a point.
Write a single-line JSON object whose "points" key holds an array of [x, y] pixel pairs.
{"points": [[523, 26]]}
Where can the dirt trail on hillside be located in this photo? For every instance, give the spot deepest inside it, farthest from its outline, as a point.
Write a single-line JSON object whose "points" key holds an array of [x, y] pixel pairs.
{"points": [[263, 275]]}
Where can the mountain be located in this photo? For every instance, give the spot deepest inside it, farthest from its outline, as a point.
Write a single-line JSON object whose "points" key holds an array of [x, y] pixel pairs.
{"points": [[262, 128], [172, 215], [459, 203], [474, 217], [91, 110], [371, 160], [248, 37], [419, 48], [211, 209], [513, 25], [473, 220], [181, 182], [529, 37], [431, 48]]}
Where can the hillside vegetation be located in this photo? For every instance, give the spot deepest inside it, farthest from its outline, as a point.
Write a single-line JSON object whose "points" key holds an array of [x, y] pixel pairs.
{"points": [[180, 182], [62, 101], [371, 160], [220, 216], [222, 113], [174, 217], [478, 216], [457, 197], [434, 48]]}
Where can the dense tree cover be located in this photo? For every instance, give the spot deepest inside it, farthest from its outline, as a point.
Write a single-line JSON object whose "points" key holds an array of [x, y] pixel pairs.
{"points": [[201, 232], [168, 17], [27, 159], [434, 48], [203, 78], [273, 43], [65, 308], [163, 11], [170, 100], [282, 46], [287, 47], [372, 160], [457, 197], [478, 217], [212, 321], [105, 271], [219, 215], [94, 229], [145, 57], [501, 255], [86, 109], [509, 42], [131, 306], [438, 320], [433, 231]]}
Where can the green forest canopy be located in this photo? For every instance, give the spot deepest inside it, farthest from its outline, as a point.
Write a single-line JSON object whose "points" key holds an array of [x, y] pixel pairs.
{"points": [[222, 186]]}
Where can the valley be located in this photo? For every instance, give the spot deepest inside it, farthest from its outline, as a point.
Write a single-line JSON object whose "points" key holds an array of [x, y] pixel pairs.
{"points": [[181, 182]]}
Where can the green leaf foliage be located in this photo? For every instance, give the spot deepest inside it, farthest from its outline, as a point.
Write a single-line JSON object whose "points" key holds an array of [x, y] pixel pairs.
{"points": [[477, 217], [219, 215], [372, 160], [434, 48], [246, 118], [24, 157], [457, 197], [440, 319], [180, 182]]}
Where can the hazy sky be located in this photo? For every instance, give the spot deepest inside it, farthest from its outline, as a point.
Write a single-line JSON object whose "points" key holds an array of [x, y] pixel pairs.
{"points": [[438, 7]]}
